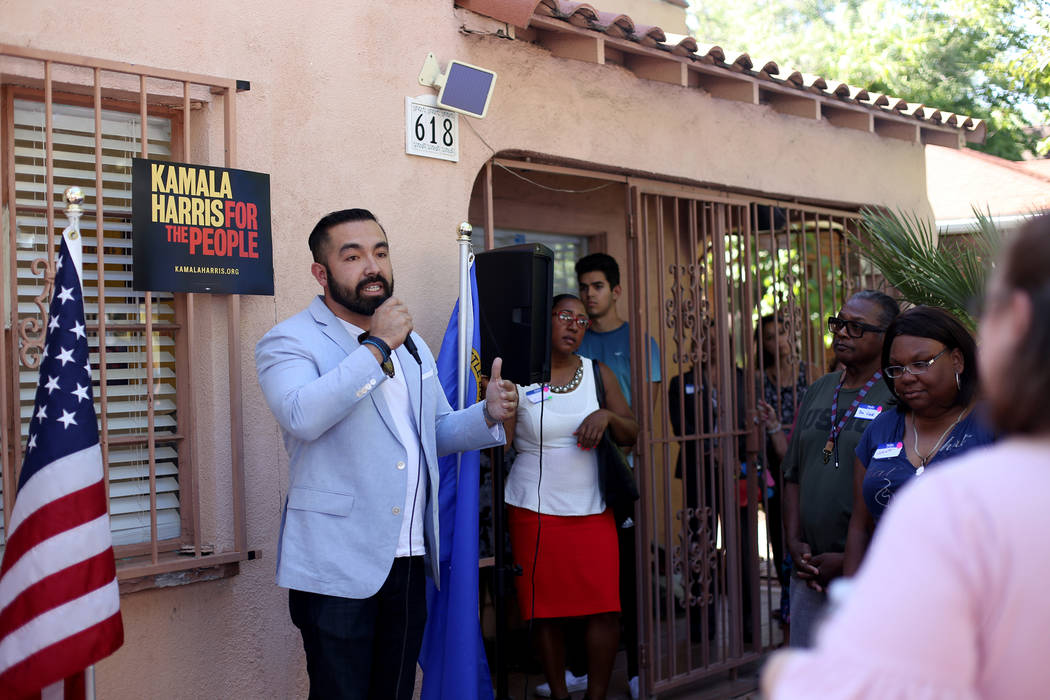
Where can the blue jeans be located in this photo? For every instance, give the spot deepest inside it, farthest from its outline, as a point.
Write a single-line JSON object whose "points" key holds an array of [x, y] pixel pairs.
{"points": [[807, 610], [354, 646]]}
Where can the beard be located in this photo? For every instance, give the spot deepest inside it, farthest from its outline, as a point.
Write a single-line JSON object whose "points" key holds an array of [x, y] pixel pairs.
{"points": [[351, 298]]}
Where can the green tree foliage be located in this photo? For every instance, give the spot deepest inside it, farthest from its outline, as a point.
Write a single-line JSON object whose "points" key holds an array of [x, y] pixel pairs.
{"points": [[984, 58]]}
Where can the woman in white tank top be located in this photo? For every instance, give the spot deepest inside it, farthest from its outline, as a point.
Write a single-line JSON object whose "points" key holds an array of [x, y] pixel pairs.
{"points": [[561, 533]]}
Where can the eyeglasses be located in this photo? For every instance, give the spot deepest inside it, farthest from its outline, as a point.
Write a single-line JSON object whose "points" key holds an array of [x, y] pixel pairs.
{"points": [[567, 316], [913, 368], [854, 329]]}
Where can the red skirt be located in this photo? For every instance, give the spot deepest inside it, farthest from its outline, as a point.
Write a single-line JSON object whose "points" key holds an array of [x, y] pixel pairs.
{"points": [[579, 566]]}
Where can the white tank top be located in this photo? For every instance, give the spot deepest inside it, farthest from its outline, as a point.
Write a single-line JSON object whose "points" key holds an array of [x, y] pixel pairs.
{"points": [[570, 475]]}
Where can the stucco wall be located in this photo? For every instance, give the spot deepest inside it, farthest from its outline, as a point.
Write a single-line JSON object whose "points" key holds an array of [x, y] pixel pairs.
{"points": [[325, 117]]}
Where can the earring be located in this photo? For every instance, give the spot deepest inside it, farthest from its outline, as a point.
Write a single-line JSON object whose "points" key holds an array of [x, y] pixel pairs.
{"points": [[958, 384]]}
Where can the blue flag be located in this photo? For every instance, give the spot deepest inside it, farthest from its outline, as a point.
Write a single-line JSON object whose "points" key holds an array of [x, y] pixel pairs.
{"points": [[453, 654]]}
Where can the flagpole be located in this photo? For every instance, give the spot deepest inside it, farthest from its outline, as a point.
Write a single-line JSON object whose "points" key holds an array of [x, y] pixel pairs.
{"points": [[74, 197], [89, 683], [463, 240]]}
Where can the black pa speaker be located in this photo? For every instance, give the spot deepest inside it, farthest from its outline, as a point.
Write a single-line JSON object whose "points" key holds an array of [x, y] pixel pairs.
{"points": [[515, 291]]}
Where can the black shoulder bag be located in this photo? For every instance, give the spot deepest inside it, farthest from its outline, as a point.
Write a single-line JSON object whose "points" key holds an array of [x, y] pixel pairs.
{"points": [[615, 476]]}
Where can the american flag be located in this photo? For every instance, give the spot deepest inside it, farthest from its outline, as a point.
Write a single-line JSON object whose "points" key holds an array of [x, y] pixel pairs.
{"points": [[59, 600]]}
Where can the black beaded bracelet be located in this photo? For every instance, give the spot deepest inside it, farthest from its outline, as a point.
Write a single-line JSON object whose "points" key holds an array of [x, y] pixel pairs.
{"points": [[386, 364], [379, 345]]}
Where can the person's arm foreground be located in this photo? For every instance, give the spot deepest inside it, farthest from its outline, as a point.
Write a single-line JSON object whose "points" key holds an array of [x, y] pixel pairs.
{"points": [[910, 626]]}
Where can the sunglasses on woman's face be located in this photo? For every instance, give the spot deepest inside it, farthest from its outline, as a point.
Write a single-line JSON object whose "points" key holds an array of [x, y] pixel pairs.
{"points": [[854, 329], [566, 316]]}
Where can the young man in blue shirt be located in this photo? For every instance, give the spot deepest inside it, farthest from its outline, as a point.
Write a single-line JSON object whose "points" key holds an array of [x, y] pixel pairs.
{"points": [[608, 340]]}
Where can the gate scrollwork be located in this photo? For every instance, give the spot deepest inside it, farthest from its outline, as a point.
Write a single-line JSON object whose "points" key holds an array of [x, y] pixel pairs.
{"points": [[31, 331], [696, 556]]}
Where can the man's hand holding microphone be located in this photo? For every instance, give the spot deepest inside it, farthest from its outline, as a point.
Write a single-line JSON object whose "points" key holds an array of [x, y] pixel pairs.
{"points": [[391, 324]]}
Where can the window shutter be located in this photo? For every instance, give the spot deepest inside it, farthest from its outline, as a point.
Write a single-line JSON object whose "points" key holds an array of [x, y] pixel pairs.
{"points": [[73, 138]]}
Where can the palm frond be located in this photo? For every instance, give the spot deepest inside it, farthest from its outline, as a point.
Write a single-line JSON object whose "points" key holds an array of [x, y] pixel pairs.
{"points": [[901, 246]]}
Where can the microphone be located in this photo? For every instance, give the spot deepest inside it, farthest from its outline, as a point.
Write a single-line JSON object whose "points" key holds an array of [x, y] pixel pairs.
{"points": [[410, 345]]}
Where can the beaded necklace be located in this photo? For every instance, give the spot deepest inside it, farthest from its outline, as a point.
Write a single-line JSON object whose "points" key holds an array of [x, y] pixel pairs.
{"points": [[573, 383]]}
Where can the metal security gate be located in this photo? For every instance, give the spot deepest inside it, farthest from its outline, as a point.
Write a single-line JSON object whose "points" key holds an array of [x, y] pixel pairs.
{"points": [[704, 268]]}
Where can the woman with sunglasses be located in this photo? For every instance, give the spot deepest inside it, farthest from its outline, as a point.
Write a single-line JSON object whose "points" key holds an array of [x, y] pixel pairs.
{"points": [[951, 601], [818, 466], [930, 366], [561, 533]]}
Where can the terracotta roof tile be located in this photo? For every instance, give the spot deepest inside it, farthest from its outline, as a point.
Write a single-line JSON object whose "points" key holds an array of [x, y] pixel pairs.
{"points": [[858, 93], [516, 12], [674, 47], [680, 44], [548, 8], [877, 99], [711, 51], [648, 35], [913, 109], [814, 81], [743, 61], [579, 13], [894, 104], [933, 115], [837, 89], [613, 24]]}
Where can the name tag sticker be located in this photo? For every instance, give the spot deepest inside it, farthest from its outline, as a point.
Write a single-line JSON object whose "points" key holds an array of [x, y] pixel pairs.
{"points": [[534, 396], [890, 449], [866, 411]]}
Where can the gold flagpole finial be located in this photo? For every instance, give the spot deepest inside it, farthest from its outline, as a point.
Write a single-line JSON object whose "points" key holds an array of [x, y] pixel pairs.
{"points": [[74, 198], [464, 232]]}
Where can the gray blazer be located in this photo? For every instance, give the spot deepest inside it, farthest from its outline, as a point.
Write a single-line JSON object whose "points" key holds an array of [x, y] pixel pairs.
{"points": [[347, 476]]}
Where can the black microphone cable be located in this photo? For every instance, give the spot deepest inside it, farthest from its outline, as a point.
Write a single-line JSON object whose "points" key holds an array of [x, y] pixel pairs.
{"points": [[410, 345], [539, 527]]}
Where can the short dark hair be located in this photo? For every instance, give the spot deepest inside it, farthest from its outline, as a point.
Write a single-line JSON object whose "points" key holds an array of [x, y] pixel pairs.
{"points": [[936, 324], [599, 262], [890, 309], [319, 236], [1019, 403]]}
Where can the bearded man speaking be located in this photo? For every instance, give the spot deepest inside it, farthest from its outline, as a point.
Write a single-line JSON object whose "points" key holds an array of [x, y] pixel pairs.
{"points": [[364, 421]]}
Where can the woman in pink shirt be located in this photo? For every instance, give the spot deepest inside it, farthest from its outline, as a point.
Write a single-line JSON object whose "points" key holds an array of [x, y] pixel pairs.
{"points": [[951, 599]]}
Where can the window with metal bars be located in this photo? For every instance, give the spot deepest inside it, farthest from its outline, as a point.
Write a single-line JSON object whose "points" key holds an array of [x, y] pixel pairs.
{"points": [[121, 402], [72, 120]]}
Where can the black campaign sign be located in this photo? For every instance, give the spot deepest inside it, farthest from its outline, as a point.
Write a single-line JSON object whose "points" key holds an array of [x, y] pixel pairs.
{"points": [[200, 229]]}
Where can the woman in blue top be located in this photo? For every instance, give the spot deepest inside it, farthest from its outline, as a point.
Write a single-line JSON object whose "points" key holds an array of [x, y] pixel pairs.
{"points": [[930, 365]]}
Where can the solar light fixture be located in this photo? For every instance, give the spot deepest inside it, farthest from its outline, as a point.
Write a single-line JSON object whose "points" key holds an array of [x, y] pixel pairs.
{"points": [[462, 88]]}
